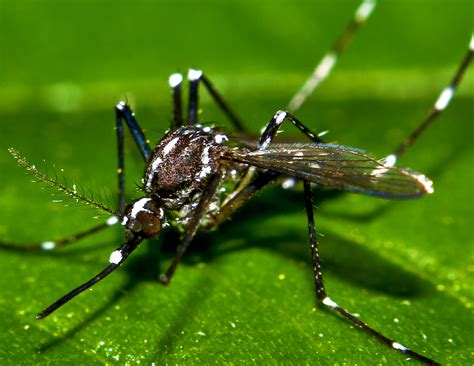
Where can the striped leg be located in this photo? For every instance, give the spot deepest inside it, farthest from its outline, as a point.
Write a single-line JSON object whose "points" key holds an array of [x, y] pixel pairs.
{"points": [[440, 105], [192, 226], [49, 245], [116, 259], [247, 184], [253, 181], [195, 77], [323, 69], [175, 81], [123, 112], [327, 301], [193, 104], [277, 120]]}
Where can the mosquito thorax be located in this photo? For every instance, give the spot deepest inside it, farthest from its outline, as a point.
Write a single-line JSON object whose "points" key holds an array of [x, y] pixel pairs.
{"points": [[143, 218], [182, 163]]}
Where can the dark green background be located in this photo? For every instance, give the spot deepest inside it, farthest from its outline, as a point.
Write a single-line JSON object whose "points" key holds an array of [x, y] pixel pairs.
{"points": [[403, 266]]}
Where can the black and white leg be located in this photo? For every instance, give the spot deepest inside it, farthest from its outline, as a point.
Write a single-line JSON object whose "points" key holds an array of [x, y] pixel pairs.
{"points": [[327, 301], [241, 195], [277, 120], [253, 180], [124, 112], [116, 259], [192, 226], [193, 104], [323, 69], [175, 81], [50, 245], [440, 105], [195, 77]]}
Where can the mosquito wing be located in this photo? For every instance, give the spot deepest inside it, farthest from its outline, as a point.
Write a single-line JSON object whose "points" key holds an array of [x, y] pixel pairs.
{"points": [[337, 167]]}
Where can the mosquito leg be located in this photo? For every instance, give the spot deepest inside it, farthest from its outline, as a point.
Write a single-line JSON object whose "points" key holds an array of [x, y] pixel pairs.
{"points": [[440, 105], [325, 66], [275, 123], [253, 180], [175, 81], [327, 301], [49, 245], [222, 104], [193, 107], [121, 163], [197, 76], [123, 111], [240, 196], [116, 259], [192, 226]]}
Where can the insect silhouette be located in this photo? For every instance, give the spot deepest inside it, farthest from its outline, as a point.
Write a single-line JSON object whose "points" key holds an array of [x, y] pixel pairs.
{"points": [[185, 174]]}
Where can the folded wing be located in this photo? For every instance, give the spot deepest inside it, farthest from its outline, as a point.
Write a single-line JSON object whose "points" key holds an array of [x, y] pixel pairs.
{"points": [[337, 167]]}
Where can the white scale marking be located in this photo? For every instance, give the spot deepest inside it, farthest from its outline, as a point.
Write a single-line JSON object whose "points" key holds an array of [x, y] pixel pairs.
{"points": [[154, 166], [205, 171], [288, 183], [471, 44], [444, 98], [116, 257], [112, 220], [207, 129], [205, 155], [327, 301], [280, 117], [140, 206], [175, 80], [388, 162], [121, 105], [170, 145], [156, 163], [220, 139], [364, 10], [399, 347], [194, 74], [425, 182], [267, 141], [326, 65], [299, 153], [48, 245]]}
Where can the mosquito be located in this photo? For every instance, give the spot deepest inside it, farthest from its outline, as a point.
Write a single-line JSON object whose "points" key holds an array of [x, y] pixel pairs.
{"points": [[186, 173]]}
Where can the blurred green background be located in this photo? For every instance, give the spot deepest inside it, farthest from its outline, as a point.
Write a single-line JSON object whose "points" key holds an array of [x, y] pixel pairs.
{"points": [[245, 294]]}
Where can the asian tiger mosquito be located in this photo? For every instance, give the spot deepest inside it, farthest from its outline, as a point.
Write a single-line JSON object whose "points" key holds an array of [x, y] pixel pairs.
{"points": [[184, 174]]}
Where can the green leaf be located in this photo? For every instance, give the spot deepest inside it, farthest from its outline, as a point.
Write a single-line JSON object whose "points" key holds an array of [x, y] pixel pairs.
{"points": [[245, 293]]}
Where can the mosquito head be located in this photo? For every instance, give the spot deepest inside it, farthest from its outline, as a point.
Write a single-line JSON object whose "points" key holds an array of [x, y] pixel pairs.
{"points": [[143, 218]]}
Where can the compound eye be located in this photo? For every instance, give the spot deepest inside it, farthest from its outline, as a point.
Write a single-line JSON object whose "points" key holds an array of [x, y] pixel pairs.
{"points": [[144, 218], [150, 224]]}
